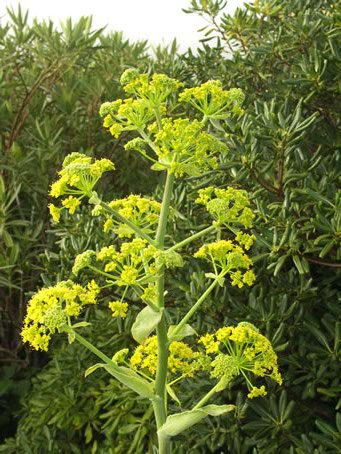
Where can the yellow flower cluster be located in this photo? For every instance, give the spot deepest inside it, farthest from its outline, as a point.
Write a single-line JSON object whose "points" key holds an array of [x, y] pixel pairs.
{"points": [[132, 261], [143, 212], [118, 308], [184, 147], [133, 264], [244, 239], [49, 309], [155, 91], [256, 392], [179, 145], [133, 114], [241, 350], [128, 115], [227, 206], [228, 258], [182, 359], [212, 101], [82, 261], [77, 179]]}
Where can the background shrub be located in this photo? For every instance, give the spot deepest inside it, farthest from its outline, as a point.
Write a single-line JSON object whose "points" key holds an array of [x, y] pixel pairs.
{"points": [[52, 83]]}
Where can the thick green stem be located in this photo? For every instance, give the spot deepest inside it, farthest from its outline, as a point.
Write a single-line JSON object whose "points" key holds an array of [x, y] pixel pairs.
{"points": [[193, 310], [160, 403], [126, 221], [167, 195], [191, 238]]}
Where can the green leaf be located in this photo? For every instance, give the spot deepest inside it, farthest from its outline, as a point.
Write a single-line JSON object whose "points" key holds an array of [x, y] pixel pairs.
{"points": [[217, 125], [92, 369], [158, 167], [211, 275], [298, 264], [80, 324], [191, 170], [131, 379], [71, 337], [318, 197], [222, 384], [94, 199], [177, 423], [128, 428], [185, 331], [127, 377], [145, 323], [220, 280], [171, 392]]}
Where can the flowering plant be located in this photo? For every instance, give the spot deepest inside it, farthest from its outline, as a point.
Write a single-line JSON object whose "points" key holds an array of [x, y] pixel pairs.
{"points": [[136, 264]]}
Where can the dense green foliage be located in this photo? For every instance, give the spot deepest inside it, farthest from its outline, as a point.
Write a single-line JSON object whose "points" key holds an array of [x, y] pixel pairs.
{"points": [[285, 56], [285, 151], [52, 83]]}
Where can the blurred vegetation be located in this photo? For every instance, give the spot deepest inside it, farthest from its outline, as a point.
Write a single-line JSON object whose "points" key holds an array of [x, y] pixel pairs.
{"points": [[285, 151]]}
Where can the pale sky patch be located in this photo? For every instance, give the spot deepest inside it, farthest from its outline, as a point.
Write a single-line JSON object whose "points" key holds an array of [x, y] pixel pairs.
{"points": [[158, 21]]}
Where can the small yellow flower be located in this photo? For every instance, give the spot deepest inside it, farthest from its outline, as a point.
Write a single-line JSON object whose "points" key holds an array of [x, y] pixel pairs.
{"points": [[71, 203], [211, 346], [119, 309], [55, 212], [256, 392]]}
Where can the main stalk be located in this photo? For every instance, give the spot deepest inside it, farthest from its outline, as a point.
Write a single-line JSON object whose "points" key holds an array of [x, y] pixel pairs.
{"points": [[160, 402]]}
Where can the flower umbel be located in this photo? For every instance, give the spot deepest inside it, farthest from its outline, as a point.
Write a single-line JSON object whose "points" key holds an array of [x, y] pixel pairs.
{"points": [[228, 258], [212, 101], [227, 206], [130, 263], [118, 308], [143, 212], [184, 147], [241, 350], [77, 179], [50, 308]]}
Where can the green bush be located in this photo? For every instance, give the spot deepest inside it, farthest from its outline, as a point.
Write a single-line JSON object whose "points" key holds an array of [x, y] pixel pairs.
{"points": [[285, 56], [52, 84]]}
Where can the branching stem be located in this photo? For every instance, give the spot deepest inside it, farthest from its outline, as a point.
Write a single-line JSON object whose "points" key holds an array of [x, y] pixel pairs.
{"points": [[193, 309], [126, 221]]}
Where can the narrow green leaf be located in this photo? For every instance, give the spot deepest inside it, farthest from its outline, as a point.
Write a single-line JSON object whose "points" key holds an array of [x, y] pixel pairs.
{"points": [[127, 377], [171, 392], [80, 324], [92, 369], [131, 379], [298, 264]]}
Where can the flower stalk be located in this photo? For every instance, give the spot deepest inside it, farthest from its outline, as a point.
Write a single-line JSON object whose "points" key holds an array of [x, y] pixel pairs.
{"points": [[137, 265]]}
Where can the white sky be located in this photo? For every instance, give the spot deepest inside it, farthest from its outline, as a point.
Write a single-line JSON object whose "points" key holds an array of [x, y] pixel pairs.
{"points": [[159, 21]]}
